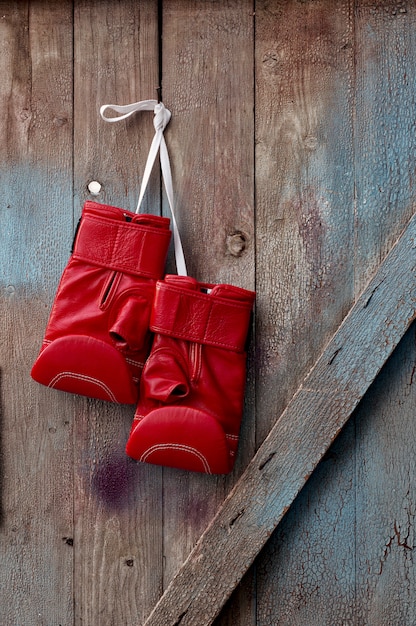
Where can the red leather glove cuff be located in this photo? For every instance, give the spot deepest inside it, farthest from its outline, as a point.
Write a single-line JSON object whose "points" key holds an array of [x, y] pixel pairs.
{"points": [[124, 246], [207, 318]]}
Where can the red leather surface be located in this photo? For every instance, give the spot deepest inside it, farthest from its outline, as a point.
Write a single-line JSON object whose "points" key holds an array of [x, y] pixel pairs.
{"points": [[59, 365], [137, 246], [183, 437], [219, 318], [102, 305], [192, 390]]}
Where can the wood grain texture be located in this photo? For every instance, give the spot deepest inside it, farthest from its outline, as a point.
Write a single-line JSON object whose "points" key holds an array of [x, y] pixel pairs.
{"points": [[36, 522], [15, 105], [292, 145], [116, 61], [385, 146], [299, 581], [306, 572], [118, 504], [300, 438], [384, 134], [385, 502], [211, 135], [305, 216], [208, 83], [304, 190]]}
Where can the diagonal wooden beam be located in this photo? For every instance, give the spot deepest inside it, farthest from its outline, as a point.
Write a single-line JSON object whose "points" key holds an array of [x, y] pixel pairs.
{"points": [[297, 442]]}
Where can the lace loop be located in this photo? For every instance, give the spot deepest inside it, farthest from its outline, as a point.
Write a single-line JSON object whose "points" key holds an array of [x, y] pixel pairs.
{"points": [[162, 117], [160, 121]]}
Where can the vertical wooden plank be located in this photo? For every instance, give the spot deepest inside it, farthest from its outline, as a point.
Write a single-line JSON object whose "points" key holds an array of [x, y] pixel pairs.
{"points": [[385, 147], [36, 514], [304, 189], [305, 283], [118, 535], [384, 130], [208, 85], [306, 573], [116, 61], [15, 90], [385, 542]]}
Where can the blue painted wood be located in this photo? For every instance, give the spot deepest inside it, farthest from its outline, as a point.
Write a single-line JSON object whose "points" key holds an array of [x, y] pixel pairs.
{"points": [[329, 190], [36, 225], [386, 494], [385, 149], [305, 229], [305, 572], [384, 130], [304, 189], [36, 515], [357, 508], [301, 436]]}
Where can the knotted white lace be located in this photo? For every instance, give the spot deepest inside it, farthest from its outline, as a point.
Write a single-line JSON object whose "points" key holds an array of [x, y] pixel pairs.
{"points": [[160, 121]]}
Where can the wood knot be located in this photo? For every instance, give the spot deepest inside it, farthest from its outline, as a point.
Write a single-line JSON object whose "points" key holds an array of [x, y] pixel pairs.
{"points": [[236, 243], [68, 540], [311, 143], [270, 58], [60, 119]]}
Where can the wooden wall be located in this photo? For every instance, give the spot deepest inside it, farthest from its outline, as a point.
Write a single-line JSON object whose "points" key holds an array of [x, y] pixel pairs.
{"points": [[293, 149]]}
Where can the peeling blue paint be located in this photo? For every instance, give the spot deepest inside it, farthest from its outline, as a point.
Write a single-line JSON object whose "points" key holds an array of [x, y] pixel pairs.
{"points": [[36, 225]]}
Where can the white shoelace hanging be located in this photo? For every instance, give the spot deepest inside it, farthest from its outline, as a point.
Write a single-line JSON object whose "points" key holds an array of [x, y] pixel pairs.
{"points": [[160, 121]]}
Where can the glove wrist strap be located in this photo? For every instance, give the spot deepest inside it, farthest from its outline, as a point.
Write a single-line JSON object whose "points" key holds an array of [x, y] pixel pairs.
{"points": [[201, 317], [122, 246]]}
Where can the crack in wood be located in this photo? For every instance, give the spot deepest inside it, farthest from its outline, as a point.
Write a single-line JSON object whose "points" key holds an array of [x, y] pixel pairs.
{"points": [[333, 356], [233, 521], [181, 616], [367, 302], [269, 458]]}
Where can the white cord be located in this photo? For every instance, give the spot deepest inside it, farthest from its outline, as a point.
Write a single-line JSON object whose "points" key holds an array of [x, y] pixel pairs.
{"points": [[160, 121]]}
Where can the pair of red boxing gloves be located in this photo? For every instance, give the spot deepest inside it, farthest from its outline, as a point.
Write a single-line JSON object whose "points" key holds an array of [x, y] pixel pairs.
{"points": [[120, 330]]}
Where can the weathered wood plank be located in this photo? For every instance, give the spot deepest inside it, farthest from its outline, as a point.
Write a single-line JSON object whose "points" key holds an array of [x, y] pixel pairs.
{"points": [[384, 133], [118, 504], [15, 105], [207, 81], [385, 148], [305, 274], [385, 502], [297, 442], [307, 569], [298, 581], [304, 190], [36, 583], [211, 133], [116, 61]]}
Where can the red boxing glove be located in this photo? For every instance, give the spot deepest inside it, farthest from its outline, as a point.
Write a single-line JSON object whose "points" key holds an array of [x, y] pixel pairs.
{"points": [[192, 388], [98, 337]]}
